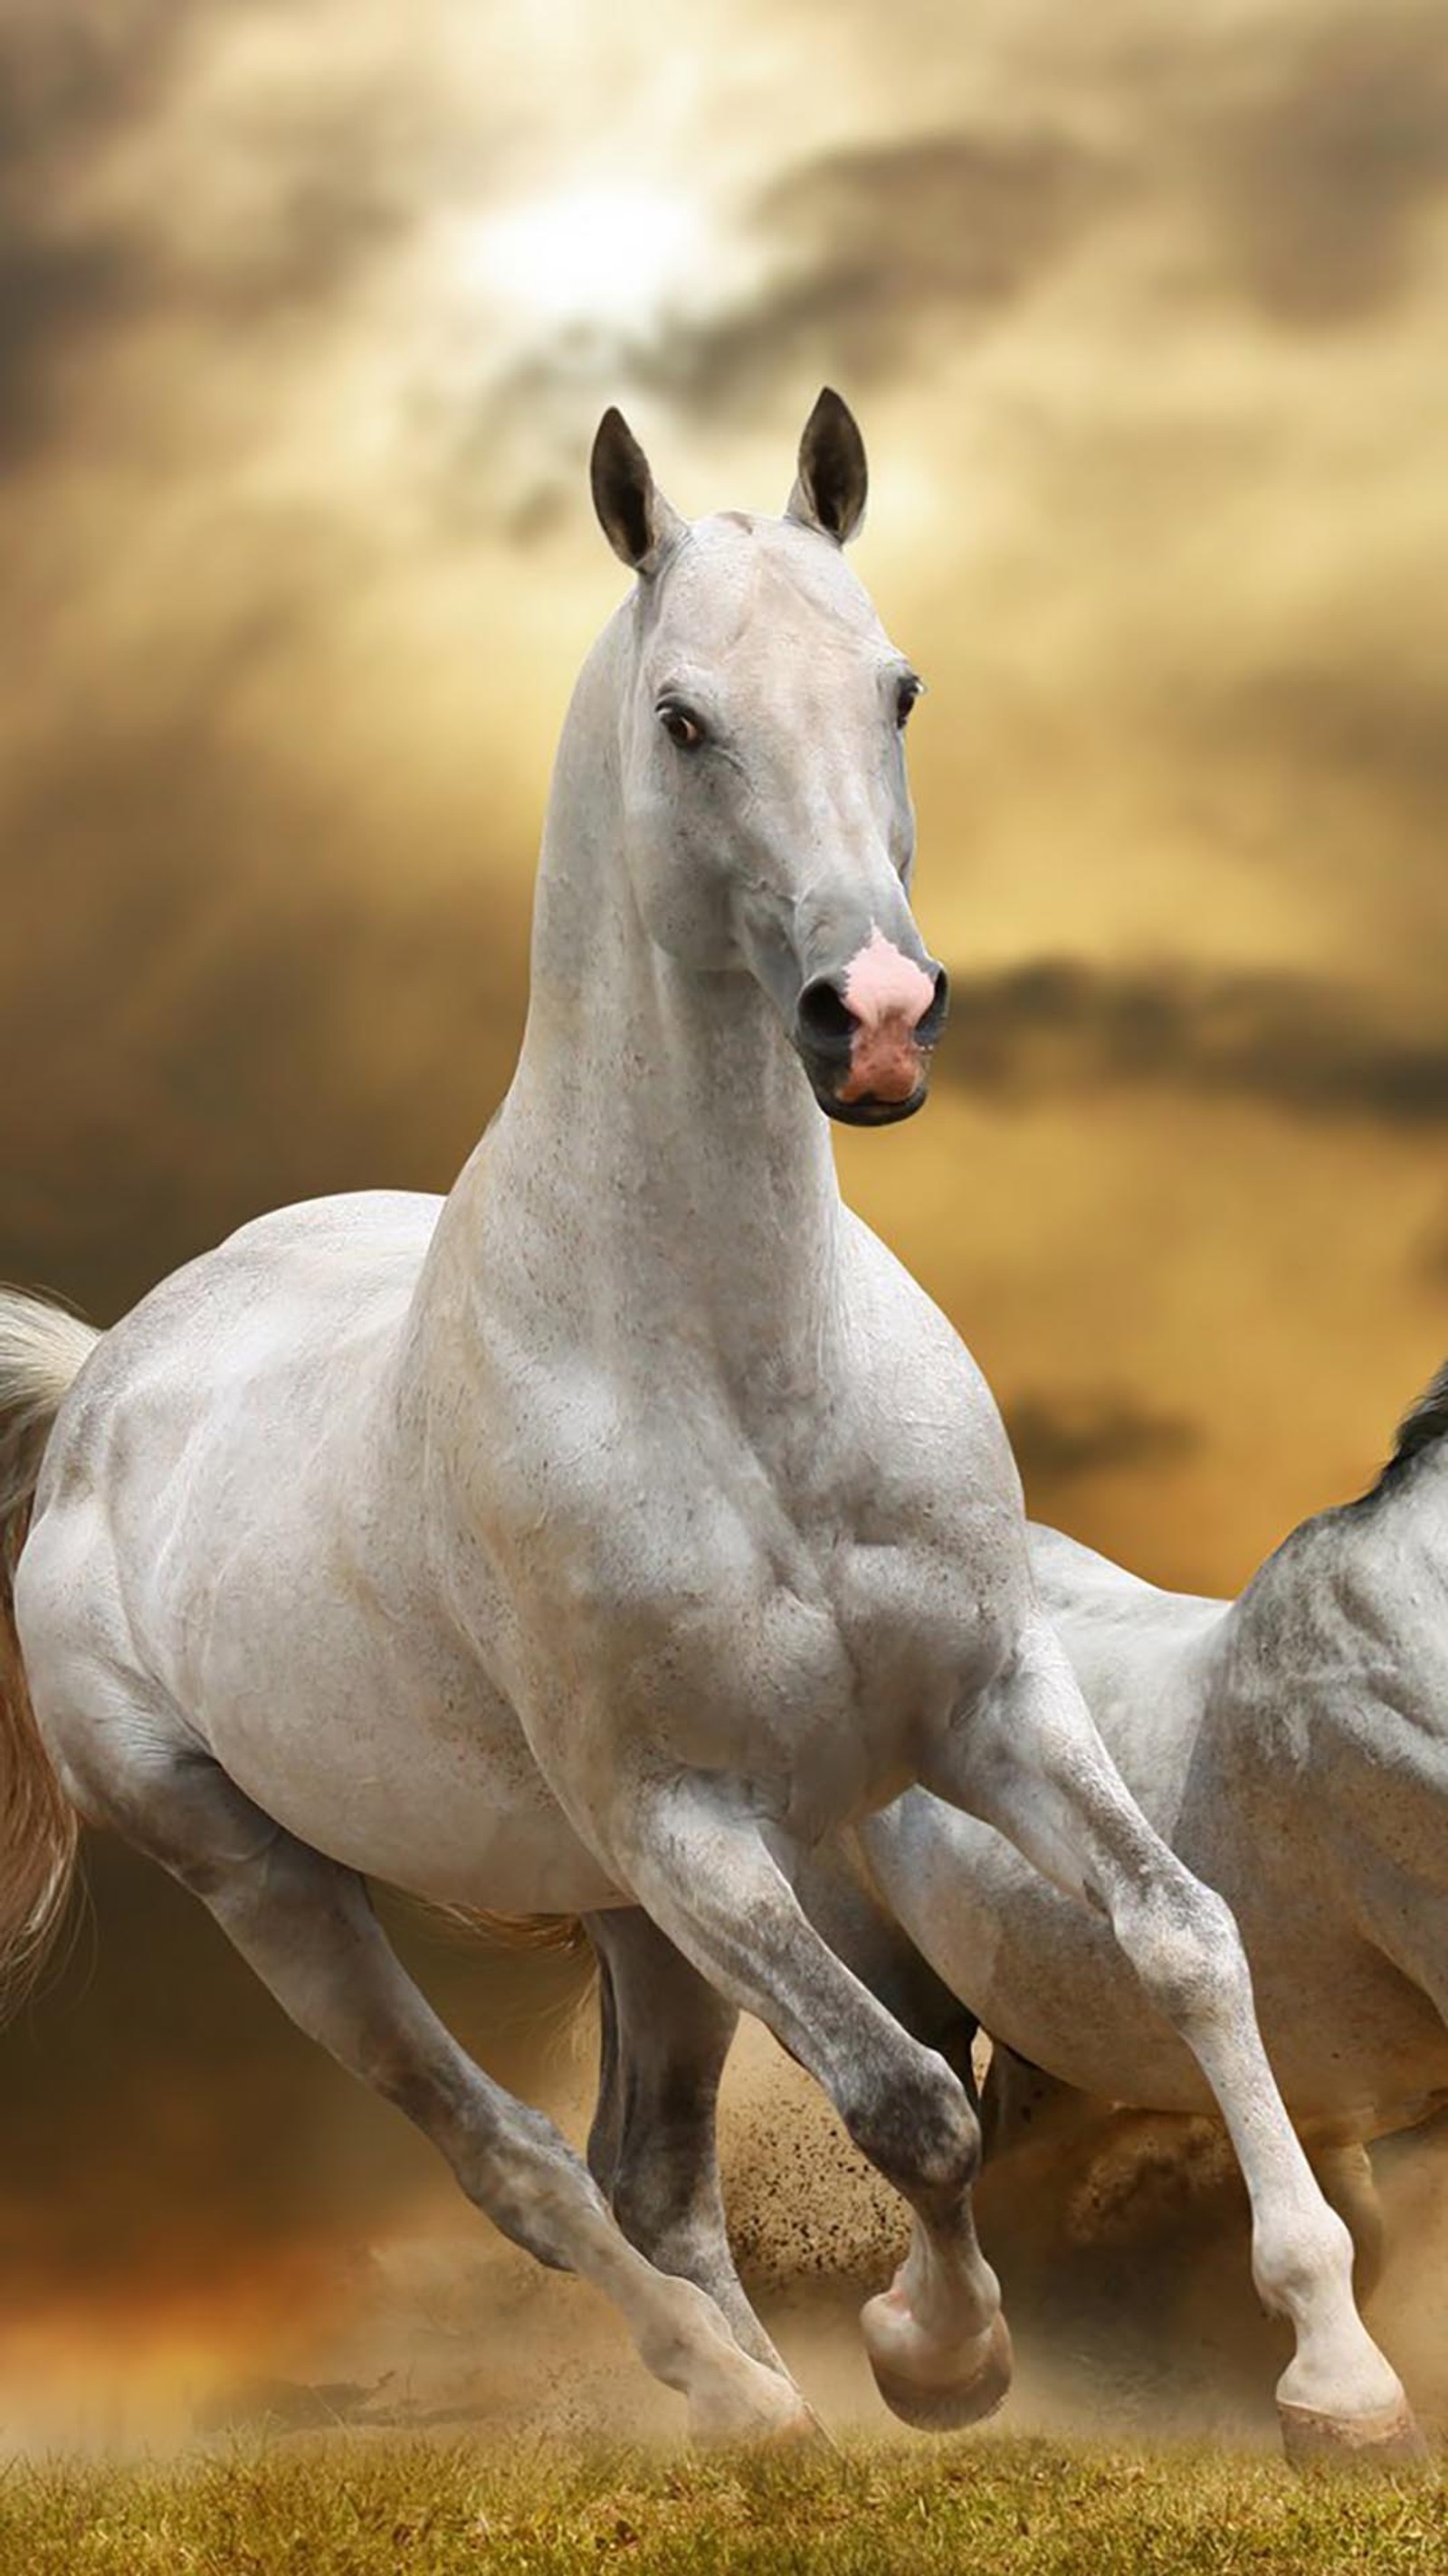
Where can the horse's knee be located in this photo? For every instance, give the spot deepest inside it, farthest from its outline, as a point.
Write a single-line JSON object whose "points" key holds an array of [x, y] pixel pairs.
{"points": [[515, 2167], [916, 2125], [1183, 1942]]}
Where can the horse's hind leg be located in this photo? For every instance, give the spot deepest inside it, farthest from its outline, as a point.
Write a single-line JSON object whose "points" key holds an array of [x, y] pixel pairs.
{"points": [[652, 2150], [1344, 2171], [1022, 2104], [308, 1929], [1028, 1760]]}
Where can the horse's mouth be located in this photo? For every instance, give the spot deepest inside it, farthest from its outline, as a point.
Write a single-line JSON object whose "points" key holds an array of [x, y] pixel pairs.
{"points": [[868, 1112]]}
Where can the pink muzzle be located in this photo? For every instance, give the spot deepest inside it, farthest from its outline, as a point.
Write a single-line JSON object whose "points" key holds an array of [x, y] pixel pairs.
{"points": [[888, 995]]}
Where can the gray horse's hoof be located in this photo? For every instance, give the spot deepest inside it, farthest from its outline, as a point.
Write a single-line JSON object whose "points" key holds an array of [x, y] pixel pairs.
{"points": [[1390, 2439], [945, 2406]]}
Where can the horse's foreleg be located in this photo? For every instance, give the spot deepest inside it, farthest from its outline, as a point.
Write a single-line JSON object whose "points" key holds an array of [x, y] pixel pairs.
{"points": [[664, 2038], [308, 1929], [653, 2149], [1027, 1759], [936, 2339]]}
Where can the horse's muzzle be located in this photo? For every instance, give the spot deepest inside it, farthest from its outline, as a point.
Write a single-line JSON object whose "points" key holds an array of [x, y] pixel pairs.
{"points": [[867, 1050]]}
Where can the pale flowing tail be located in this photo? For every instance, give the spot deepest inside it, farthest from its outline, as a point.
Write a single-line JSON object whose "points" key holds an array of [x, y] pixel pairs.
{"points": [[42, 1349]]}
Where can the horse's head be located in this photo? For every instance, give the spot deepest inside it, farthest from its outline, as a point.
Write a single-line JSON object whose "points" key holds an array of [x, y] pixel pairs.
{"points": [[767, 818]]}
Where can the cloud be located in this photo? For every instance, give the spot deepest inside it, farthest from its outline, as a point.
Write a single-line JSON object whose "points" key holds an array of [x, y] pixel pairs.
{"points": [[1319, 169], [54, 296], [218, 994], [873, 245], [858, 255], [1058, 1434], [1349, 722], [1304, 1047], [69, 78]]}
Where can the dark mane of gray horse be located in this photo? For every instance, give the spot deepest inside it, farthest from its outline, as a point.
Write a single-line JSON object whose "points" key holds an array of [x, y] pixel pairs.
{"points": [[1425, 1423]]}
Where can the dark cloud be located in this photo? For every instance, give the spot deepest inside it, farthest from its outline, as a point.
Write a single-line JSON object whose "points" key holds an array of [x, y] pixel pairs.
{"points": [[872, 246], [71, 76], [325, 183], [1304, 1047], [1058, 1434], [1355, 723], [1320, 166], [54, 296], [71, 73], [218, 995]]}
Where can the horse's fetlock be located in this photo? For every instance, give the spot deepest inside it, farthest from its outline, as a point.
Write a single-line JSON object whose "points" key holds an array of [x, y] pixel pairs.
{"points": [[1290, 2264]]}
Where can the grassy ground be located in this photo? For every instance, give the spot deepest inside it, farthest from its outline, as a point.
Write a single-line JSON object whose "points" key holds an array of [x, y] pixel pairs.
{"points": [[1003, 2508]]}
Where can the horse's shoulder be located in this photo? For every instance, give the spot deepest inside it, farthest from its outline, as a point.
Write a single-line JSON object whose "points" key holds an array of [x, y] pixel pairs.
{"points": [[1354, 1604]]}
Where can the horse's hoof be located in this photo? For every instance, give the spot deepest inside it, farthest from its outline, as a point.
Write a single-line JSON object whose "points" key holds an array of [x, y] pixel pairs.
{"points": [[1389, 2439], [942, 2399], [768, 2409]]}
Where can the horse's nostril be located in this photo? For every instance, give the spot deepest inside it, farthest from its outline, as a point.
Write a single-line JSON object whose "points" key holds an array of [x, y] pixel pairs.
{"points": [[825, 1015], [932, 1021]]}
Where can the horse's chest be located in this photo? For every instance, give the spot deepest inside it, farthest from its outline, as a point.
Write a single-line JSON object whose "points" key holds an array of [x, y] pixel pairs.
{"points": [[796, 1651]]}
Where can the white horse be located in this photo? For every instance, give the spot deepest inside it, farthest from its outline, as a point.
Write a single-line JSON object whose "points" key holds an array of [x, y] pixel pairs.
{"points": [[1293, 1748], [618, 1528]]}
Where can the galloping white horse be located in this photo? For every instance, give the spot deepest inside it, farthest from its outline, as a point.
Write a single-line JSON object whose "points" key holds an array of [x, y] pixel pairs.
{"points": [[616, 1529]]}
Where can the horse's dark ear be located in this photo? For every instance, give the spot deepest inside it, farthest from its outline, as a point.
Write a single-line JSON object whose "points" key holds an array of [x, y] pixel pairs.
{"points": [[833, 478], [632, 512]]}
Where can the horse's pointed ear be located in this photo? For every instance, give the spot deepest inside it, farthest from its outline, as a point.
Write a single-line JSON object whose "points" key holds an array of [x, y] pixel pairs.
{"points": [[632, 512], [833, 478]]}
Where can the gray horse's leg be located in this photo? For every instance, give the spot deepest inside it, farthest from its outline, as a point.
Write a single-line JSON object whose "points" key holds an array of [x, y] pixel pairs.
{"points": [[605, 2135], [1022, 2104], [664, 2037], [1027, 1759], [307, 1927], [1345, 2176], [834, 1891], [936, 2340], [652, 2149]]}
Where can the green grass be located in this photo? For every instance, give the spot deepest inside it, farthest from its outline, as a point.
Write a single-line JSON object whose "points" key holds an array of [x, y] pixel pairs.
{"points": [[1003, 2508]]}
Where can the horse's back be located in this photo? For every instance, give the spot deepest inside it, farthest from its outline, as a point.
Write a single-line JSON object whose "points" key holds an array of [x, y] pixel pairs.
{"points": [[280, 1311], [1141, 1655], [211, 1430]]}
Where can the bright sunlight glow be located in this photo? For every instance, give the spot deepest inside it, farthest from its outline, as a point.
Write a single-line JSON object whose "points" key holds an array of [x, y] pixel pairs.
{"points": [[601, 253]]}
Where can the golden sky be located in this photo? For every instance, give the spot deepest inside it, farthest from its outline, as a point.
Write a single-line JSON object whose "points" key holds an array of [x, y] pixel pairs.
{"points": [[307, 314]]}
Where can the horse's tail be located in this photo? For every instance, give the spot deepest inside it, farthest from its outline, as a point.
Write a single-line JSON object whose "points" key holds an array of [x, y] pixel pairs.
{"points": [[561, 1934], [42, 1349]]}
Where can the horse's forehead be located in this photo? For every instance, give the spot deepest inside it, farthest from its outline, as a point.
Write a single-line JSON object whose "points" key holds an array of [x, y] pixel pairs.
{"points": [[739, 581]]}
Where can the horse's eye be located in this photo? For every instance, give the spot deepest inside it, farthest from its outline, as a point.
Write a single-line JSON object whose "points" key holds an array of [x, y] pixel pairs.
{"points": [[905, 697], [680, 726]]}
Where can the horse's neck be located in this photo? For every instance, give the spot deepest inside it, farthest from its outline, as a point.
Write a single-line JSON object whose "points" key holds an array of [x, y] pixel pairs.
{"points": [[658, 1184], [1399, 1533]]}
